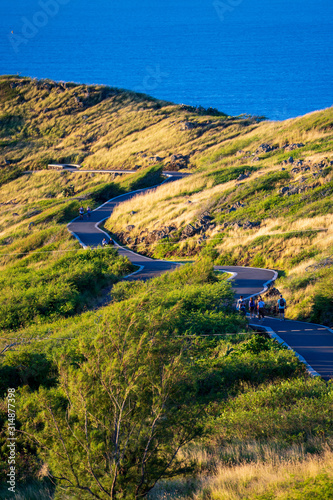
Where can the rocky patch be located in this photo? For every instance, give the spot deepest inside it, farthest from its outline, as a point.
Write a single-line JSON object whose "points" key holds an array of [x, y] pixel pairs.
{"points": [[178, 161], [290, 190], [231, 208], [241, 177], [265, 148], [241, 224], [145, 236], [188, 125], [155, 159], [292, 147], [272, 292]]}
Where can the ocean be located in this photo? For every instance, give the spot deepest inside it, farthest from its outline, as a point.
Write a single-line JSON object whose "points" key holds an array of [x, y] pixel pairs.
{"points": [[259, 57]]}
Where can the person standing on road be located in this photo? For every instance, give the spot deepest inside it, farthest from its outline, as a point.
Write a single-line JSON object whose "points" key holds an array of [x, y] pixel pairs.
{"points": [[81, 212], [252, 306], [88, 212], [281, 305], [241, 305], [261, 309]]}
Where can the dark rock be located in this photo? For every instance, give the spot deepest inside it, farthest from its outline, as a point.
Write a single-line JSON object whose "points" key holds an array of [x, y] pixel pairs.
{"points": [[292, 147], [241, 177], [238, 204], [179, 161], [264, 148], [188, 231], [204, 219], [291, 160], [155, 159], [249, 225], [187, 126], [284, 190], [169, 229], [130, 228], [272, 292]]}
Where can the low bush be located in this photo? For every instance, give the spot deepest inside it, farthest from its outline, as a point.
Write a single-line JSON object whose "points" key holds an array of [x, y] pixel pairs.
{"points": [[59, 289]]}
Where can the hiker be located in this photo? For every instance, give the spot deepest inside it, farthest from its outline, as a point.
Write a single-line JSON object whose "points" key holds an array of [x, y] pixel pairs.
{"points": [[241, 306], [106, 242], [88, 212], [252, 307], [261, 309], [81, 212], [281, 303]]}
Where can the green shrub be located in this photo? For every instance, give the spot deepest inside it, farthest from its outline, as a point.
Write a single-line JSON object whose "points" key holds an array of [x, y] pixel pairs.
{"points": [[62, 288]]}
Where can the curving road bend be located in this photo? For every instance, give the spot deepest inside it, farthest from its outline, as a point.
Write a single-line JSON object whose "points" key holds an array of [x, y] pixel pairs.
{"points": [[90, 235], [312, 343]]}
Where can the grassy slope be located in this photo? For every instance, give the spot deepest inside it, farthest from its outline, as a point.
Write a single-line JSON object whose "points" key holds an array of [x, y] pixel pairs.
{"points": [[295, 232], [45, 275], [44, 122], [98, 126]]}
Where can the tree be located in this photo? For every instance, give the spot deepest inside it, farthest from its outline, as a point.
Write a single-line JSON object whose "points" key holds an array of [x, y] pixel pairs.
{"points": [[114, 425]]}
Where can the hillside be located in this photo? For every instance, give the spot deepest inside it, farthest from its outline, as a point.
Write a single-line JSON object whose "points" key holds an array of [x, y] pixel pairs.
{"points": [[261, 193], [164, 384], [96, 126]]}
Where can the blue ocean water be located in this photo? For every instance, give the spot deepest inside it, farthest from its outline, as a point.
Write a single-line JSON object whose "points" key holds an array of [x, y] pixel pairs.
{"points": [[263, 57]]}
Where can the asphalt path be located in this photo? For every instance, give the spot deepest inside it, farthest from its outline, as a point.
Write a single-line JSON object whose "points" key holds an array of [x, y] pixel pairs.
{"points": [[90, 235], [249, 281], [312, 343]]}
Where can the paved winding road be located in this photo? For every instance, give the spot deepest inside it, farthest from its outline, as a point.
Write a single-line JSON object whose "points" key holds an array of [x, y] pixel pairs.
{"points": [[89, 234], [312, 343]]}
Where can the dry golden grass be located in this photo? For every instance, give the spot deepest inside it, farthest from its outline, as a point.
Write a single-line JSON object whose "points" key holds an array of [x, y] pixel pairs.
{"points": [[275, 475], [271, 473], [113, 130]]}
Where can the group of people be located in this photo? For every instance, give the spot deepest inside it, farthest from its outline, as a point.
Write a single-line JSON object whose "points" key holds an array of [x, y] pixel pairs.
{"points": [[107, 242], [81, 212], [256, 307]]}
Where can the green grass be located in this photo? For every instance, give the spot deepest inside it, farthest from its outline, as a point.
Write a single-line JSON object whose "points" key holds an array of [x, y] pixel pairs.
{"points": [[61, 289]]}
